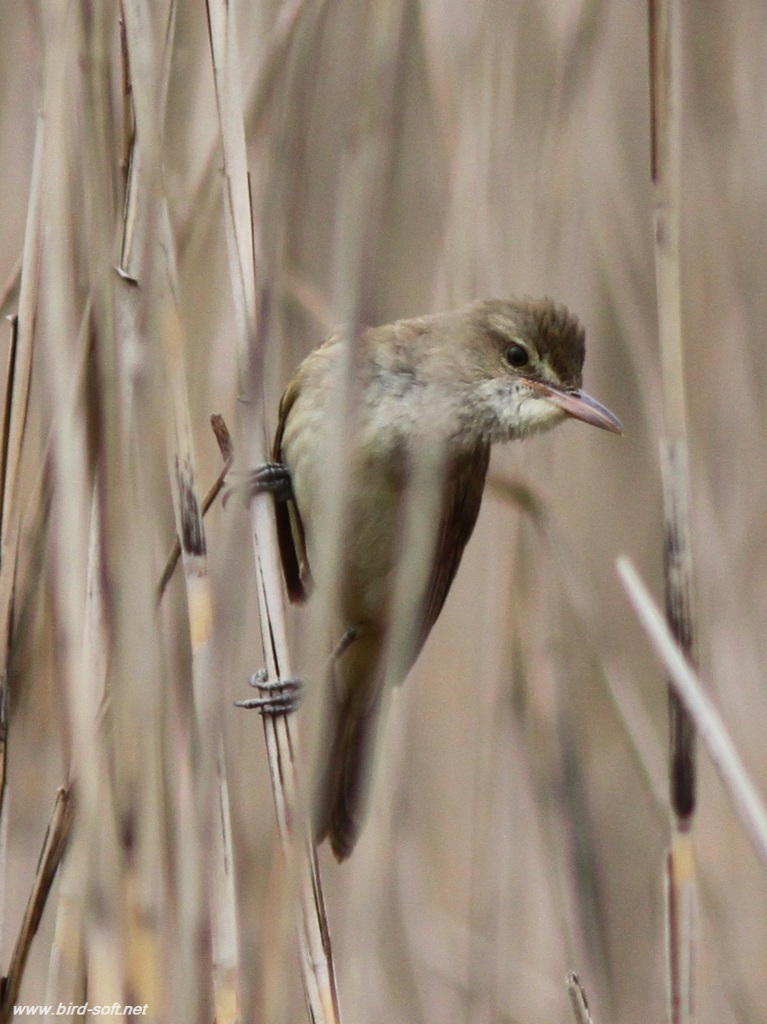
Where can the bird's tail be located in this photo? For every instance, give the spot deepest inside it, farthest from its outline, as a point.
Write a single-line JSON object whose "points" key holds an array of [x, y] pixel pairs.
{"points": [[344, 785]]}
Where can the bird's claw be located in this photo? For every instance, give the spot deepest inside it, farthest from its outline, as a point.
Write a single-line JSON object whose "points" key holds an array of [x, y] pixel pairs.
{"points": [[278, 697], [272, 477]]}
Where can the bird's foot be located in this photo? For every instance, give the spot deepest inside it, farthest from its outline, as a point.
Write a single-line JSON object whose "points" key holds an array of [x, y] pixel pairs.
{"points": [[272, 477], [278, 697]]}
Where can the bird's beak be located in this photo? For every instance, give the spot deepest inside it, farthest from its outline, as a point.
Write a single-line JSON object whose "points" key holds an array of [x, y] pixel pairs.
{"points": [[579, 405]]}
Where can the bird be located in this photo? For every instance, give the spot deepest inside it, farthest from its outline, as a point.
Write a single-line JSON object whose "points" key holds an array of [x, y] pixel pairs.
{"points": [[446, 386]]}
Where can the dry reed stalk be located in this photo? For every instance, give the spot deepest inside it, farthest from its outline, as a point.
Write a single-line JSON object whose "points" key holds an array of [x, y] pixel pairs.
{"points": [[31, 541], [578, 1000], [3, 489], [14, 426], [66, 980], [549, 737], [207, 844], [50, 856], [66, 970], [212, 796], [213, 821], [10, 290], [121, 949], [224, 441], [665, 78], [64, 344], [280, 732], [5, 429], [642, 736], [665, 69], [123, 946], [701, 709], [291, 18], [631, 713], [14, 432], [59, 826]]}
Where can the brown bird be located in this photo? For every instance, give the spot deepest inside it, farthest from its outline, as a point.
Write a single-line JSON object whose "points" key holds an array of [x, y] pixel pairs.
{"points": [[451, 385]]}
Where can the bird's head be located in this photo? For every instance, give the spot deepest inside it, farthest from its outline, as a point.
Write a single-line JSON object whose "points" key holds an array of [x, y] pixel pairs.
{"points": [[523, 364]]}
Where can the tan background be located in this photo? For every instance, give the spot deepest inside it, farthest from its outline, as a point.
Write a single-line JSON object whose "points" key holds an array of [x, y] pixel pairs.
{"points": [[520, 817]]}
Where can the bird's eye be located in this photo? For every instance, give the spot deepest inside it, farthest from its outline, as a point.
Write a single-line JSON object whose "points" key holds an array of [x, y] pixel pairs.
{"points": [[517, 356]]}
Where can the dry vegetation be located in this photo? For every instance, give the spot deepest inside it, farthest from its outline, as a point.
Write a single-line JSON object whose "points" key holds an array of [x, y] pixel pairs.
{"points": [[404, 155]]}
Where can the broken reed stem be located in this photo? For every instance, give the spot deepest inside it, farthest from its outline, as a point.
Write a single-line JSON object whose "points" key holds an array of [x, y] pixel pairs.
{"points": [[279, 732], [224, 440], [665, 84], [700, 707], [578, 1001]]}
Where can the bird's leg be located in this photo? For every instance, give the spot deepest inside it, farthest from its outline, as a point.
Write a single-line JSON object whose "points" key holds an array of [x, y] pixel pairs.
{"points": [[278, 697], [272, 477], [284, 696]]}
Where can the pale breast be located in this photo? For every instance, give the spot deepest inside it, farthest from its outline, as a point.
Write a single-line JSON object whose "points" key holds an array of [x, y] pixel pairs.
{"points": [[389, 416], [371, 510]]}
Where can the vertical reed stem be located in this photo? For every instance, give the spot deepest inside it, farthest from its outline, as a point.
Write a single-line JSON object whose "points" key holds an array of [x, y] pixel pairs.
{"points": [[665, 51]]}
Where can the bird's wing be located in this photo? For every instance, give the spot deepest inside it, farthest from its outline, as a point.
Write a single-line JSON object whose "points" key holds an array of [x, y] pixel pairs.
{"points": [[464, 484], [290, 528]]}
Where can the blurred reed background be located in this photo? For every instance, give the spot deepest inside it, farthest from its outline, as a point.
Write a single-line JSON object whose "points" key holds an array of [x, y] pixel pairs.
{"points": [[405, 156]]}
